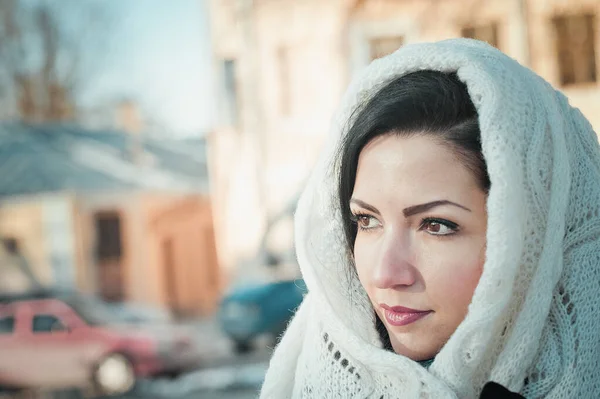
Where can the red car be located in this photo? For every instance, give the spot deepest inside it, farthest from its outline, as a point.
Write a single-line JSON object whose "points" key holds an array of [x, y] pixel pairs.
{"points": [[64, 341]]}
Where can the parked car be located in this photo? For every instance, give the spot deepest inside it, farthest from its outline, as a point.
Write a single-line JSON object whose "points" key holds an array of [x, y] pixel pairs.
{"points": [[138, 313], [66, 340], [255, 310]]}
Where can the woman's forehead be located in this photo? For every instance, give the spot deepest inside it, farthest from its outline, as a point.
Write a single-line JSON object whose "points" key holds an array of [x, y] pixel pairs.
{"points": [[410, 160]]}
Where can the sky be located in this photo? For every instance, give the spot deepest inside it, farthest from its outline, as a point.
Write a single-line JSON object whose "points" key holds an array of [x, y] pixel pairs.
{"points": [[159, 56]]}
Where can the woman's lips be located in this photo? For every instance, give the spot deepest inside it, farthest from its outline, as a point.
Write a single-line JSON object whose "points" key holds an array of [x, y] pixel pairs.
{"points": [[401, 316]]}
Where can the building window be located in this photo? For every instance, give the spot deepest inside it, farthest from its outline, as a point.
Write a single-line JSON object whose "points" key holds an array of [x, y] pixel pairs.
{"points": [[108, 234], [575, 48], [284, 66], [11, 245], [382, 46], [109, 254], [230, 93], [486, 33]]}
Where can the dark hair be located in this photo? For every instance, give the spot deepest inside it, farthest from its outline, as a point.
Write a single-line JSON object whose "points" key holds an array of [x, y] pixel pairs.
{"points": [[428, 103]]}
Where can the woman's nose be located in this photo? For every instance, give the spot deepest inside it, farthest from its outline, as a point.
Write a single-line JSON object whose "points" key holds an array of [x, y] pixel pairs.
{"points": [[394, 268]]}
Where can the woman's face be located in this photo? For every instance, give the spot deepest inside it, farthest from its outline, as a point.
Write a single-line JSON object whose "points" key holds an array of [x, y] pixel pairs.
{"points": [[420, 245]]}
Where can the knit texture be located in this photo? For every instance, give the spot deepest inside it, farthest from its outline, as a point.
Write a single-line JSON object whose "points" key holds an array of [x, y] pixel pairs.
{"points": [[533, 324]]}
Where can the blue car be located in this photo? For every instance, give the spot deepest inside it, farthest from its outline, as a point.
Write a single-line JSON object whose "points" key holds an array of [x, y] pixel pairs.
{"points": [[252, 311]]}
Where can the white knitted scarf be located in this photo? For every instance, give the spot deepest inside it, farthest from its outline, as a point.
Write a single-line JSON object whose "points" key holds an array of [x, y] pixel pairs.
{"points": [[534, 321]]}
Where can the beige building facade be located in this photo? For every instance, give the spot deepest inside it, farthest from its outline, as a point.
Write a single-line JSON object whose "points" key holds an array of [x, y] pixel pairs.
{"points": [[150, 248], [282, 66]]}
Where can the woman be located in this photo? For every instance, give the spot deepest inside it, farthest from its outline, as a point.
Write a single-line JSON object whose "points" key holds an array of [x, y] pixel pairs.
{"points": [[449, 238]]}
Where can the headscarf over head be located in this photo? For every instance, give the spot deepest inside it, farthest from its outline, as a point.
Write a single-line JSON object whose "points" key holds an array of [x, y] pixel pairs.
{"points": [[533, 322]]}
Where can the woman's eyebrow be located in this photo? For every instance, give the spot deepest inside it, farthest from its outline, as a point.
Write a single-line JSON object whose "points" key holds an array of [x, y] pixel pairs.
{"points": [[363, 204], [416, 209], [411, 210]]}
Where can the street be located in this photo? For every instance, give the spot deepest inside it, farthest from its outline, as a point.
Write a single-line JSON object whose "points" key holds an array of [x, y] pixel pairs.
{"points": [[223, 375], [235, 394], [241, 378], [238, 377]]}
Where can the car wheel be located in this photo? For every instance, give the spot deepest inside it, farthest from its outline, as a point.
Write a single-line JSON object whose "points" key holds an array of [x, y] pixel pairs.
{"points": [[242, 347], [114, 375]]}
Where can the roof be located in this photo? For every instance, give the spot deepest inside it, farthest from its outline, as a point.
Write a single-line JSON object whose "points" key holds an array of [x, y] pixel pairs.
{"points": [[50, 158]]}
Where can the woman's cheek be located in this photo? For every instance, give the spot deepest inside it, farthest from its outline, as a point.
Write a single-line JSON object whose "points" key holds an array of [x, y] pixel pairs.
{"points": [[364, 259], [362, 269], [453, 280]]}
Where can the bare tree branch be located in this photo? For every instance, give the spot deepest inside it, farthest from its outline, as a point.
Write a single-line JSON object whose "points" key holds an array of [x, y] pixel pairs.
{"points": [[49, 50]]}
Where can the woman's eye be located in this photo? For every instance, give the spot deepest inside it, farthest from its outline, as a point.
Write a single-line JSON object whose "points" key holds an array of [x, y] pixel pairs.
{"points": [[366, 222], [439, 227]]}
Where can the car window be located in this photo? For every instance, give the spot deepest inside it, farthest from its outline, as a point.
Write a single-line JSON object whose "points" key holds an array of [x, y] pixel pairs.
{"points": [[44, 323], [7, 325]]}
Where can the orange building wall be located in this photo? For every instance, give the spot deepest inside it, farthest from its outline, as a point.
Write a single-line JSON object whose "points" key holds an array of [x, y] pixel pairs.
{"points": [[147, 221], [186, 223]]}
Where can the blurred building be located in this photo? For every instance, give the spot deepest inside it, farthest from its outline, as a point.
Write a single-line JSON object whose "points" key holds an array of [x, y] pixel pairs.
{"points": [[124, 216], [282, 67]]}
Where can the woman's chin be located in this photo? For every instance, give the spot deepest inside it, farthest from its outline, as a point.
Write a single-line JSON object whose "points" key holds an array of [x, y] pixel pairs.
{"points": [[414, 349], [418, 343]]}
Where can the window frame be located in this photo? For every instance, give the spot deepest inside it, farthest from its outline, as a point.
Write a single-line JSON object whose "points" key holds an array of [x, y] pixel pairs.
{"points": [[568, 55], [478, 32], [384, 41], [229, 92]]}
